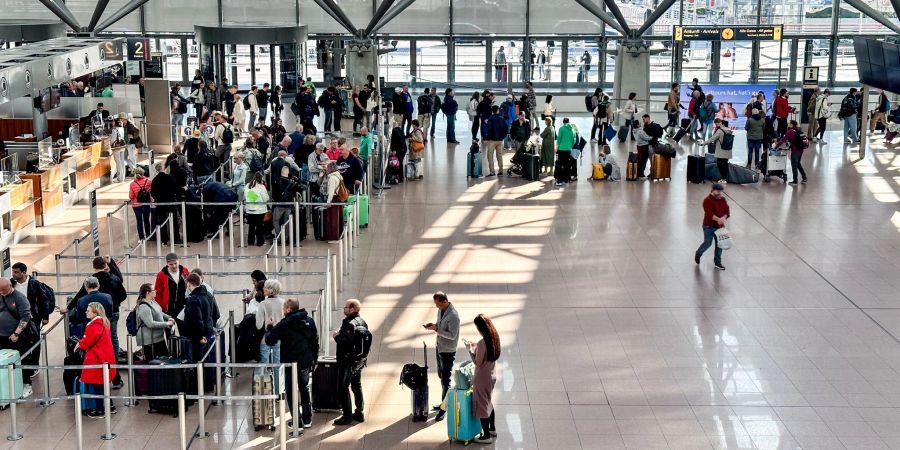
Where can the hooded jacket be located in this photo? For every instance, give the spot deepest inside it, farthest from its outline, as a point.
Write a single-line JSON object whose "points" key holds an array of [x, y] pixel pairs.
{"points": [[298, 337], [169, 294]]}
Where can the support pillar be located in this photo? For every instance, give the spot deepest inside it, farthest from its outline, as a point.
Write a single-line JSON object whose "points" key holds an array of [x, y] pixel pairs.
{"points": [[633, 73]]}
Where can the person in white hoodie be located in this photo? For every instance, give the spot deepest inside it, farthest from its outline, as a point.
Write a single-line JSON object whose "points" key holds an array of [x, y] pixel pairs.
{"points": [[254, 106], [239, 114], [472, 111], [256, 197], [722, 154], [628, 113]]}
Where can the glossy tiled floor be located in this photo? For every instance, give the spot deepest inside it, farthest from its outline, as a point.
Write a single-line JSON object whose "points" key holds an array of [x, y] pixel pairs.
{"points": [[613, 337]]}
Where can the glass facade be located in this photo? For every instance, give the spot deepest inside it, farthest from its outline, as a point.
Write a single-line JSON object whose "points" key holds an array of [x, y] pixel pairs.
{"points": [[459, 41]]}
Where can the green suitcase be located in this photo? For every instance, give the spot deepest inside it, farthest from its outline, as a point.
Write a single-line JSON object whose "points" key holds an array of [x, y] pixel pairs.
{"points": [[363, 209]]}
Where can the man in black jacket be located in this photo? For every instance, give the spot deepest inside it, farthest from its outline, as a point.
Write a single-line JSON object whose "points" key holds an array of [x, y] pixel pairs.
{"points": [[165, 189], [299, 344], [110, 278], [435, 109], [197, 318], [449, 107], [38, 295], [350, 363], [284, 189], [262, 100]]}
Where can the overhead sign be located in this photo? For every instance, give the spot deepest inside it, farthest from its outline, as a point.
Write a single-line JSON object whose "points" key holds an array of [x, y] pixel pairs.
{"points": [[111, 50], [138, 49], [728, 33], [153, 68]]}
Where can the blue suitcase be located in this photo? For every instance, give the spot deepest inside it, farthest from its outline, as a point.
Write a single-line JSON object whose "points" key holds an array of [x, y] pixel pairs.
{"points": [[473, 165], [462, 425]]}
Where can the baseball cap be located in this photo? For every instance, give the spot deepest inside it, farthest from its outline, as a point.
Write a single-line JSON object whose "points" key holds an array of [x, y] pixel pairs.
{"points": [[174, 257]]}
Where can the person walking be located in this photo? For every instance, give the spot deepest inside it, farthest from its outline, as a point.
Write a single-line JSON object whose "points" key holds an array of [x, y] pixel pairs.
{"points": [[595, 102], [238, 114], [823, 113], [98, 349], [879, 115], [484, 354], [494, 131], [781, 108], [255, 208], [252, 105], [707, 115], [628, 113], [262, 102], [299, 341], [153, 324], [715, 212], [794, 138], [673, 109], [351, 359], [722, 149], [449, 107], [446, 329], [139, 194], [548, 145], [472, 112], [755, 127], [848, 114]]}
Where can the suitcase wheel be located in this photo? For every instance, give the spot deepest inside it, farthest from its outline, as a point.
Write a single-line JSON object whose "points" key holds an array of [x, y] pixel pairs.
{"points": [[256, 428]]}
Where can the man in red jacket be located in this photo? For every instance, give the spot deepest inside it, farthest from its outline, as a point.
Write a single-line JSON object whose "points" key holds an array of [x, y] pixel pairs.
{"points": [[715, 211], [782, 108], [170, 286]]}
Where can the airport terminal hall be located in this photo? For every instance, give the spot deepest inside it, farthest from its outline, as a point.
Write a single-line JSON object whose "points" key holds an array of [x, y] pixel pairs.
{"points": [[439, 224]]}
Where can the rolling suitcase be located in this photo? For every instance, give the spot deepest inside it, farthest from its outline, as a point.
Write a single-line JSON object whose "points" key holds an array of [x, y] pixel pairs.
{"points": [[473, 165], [328, 223], [696, 169], [7, 357], [263, 409], [69, 375], [631, 168], [531, 166], [420, 395], [325, 385], [363, 209], [170, 382], [462, 425], [622, 134], [660, 167]]}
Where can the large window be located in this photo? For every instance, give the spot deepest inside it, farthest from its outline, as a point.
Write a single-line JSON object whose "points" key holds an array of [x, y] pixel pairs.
{"points": [[775, 61], [696, 61], [431, 61], [845, 60], [512, 52], [395, 65], [814, 52], [171, 49], [735, 61], [548, 61], [661, 61], [584, 60], [470, 60]]}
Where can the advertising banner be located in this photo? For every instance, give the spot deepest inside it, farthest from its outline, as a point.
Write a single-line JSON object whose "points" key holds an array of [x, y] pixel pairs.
{"points": [[730, 100]]}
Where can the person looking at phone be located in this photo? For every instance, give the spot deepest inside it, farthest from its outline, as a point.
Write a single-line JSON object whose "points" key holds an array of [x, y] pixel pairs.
{"points": [[447, 330]]}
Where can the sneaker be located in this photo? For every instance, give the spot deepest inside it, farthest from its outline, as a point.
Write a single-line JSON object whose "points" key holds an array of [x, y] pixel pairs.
{"points": [[440, 416], [27, 391], [794, 182], [594, 141], [96, 414], [493, 433], [359, 417], [697, 258], [720, 267], [492, 174], [803, 181], [343, 420], [559, 184], [436, 408], [723, 181], [307, 424], [118, 385], [481, 439], [113, 410]]}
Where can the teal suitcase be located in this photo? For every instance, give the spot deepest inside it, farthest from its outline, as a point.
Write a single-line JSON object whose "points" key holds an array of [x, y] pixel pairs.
{"points": [[462, 425], [363, 209], [7, 357]]}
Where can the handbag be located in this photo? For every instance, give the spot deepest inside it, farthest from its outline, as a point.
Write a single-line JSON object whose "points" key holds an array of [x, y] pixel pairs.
{"points": [[723, 239], [609, 133], [267, 217]]}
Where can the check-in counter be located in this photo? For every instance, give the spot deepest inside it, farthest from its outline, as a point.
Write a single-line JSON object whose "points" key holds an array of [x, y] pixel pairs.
{"points": [[47, 189], [18, 212]]}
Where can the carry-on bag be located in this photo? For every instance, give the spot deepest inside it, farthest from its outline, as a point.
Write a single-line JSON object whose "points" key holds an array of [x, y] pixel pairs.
{"points": [[473, 165], [631, 168], [328, 222], [660, 167], [531, 166], [696, 169], [609, 133], [263, 409], [462, 425], [679, 135], [420, 394], [597, 173], [623, 132], [325, 385], [7, 357], [363, 209]]}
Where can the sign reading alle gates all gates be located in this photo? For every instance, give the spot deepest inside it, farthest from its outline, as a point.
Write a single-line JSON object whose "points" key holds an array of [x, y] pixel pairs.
{"points": [[728, 33]]}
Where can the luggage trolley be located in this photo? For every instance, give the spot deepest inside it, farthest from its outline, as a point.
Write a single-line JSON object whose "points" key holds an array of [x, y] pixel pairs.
{"points": [[776, 164]]}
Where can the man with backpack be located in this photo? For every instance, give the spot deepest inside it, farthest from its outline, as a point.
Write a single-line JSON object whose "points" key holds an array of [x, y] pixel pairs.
{"points": [[223, 136], [299, 343], [847, 113], [40, 296], [425, 105], [179, 108], [353, 343], [797, 142]]}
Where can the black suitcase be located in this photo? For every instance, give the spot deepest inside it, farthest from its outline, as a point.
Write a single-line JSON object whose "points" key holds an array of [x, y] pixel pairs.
{"points": [[170, 382], [325, 385], [679, 135], [318, 224], [420, 395], [696, 169], [531, 166], [685, 123], [209, 373], [70, 375], [561, 170]]}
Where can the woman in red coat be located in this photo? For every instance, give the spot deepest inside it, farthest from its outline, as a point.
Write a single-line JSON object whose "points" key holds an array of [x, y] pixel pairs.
{"points": [[98, 349]]}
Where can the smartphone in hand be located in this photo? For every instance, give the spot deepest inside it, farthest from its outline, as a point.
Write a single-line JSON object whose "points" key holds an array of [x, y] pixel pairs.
{"points": [[428, 325]]}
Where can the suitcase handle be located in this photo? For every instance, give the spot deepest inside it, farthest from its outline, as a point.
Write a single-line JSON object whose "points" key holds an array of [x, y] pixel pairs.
{"points": [[425, 353]]}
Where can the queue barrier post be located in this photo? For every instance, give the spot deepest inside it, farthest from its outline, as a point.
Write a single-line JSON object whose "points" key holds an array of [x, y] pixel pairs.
{"points": [[159, 239], [334, 274], [241, 223], [222, 246], [328, 278], [184, 239], [295, 403], [201, 409], [231, 236], [172, 233], [298, 223], [233, 342], [109, 232], [79, 432], [130, 349], [107, 406], [14, 434], [45, 361], [127, 277], [218, 350], [282, 429], [182, 428]]}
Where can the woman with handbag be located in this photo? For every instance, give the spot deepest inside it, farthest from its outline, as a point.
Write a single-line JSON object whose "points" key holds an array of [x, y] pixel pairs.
{"points": [[98, 349], [416, 147]]}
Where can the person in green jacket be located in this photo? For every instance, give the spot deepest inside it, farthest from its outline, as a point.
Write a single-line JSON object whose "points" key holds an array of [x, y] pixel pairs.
{"points": [[565, 141], [309, 85], [365, 146]]}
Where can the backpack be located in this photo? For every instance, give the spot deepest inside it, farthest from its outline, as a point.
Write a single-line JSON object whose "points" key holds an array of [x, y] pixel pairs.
{"points": [[601, 109], [143, 195], [363, 338], [227, 135], [131, 322], [256, 162], [800, 140], [847, 109], [703, 113], [182, 107], [393, 161], [728, 141], [589, 103], [246, 102], [423, 105], [414, 376]]}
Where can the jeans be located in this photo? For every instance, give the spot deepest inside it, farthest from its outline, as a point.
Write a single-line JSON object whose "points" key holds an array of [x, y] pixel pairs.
{"points": [[263, 112], [252, 124], [795, 166], [850, 129], [303, 388], [445, 370], [142, 217], [782, 126], [268, 354], [94, 404], [350, 380], [707, 131], [329, 118], [820, 131], [433, 120], [176, 121], [451, 128], [358, 116], [753, 146], [407, 122], [709, 238]]}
